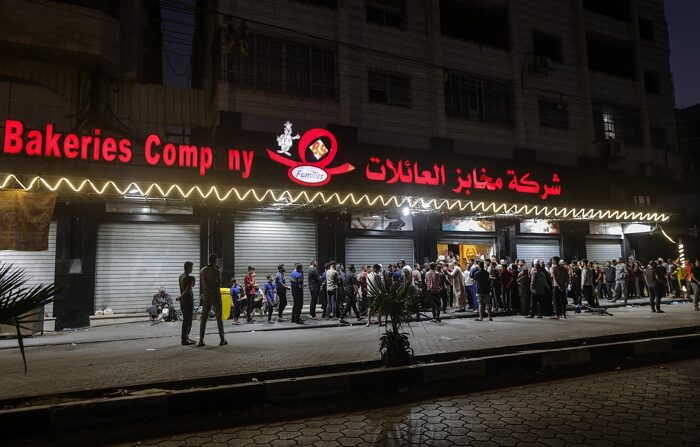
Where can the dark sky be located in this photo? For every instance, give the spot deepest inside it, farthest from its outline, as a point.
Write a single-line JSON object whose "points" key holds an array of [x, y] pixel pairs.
{"points": [[683, 17]]}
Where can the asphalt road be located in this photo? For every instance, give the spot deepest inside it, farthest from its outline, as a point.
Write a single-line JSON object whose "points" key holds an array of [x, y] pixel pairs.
{"points": [[654, 406]]}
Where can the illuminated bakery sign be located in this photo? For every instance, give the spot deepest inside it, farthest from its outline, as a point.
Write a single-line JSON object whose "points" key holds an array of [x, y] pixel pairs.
{"points": [[322, 146], [310, 160]]}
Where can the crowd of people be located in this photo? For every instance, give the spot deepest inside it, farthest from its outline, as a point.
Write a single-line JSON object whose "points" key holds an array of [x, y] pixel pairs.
{"points": [[486, 285]]}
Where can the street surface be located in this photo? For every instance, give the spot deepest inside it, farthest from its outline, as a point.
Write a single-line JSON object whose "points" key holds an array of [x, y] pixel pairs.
{"points": [[654, 406], [153, 353]]}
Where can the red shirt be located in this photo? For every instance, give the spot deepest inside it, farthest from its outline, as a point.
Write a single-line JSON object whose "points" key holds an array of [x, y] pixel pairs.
{"points": [[249, 284], [506, 276]]}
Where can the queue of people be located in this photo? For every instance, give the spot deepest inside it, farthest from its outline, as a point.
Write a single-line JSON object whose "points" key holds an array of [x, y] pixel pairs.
{"points": [[486, 285]]}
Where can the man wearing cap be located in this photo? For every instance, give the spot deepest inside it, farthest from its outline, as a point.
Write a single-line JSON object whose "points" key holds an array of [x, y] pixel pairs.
{"points": [[282, 287]]}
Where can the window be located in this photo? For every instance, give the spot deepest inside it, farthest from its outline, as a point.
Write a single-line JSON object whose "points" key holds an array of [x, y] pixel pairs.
{"points": [[389, 89], [608, 124], [278, 64], [652, 84], [386, 12], [658, 137], [478, 99], [616, 9], [35, 105], [547, 46], [617, 122], [330, 4], [553, 114], [476, 21], [110, 7], [646, 29], [611, 56]]}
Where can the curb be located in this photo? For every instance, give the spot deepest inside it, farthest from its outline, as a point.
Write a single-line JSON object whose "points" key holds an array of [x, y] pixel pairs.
{"points": [[254, 402]]}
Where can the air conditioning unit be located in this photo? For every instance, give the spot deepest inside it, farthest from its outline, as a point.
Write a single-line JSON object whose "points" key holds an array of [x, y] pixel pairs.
{"points": [[616, 148], [542, 64]]}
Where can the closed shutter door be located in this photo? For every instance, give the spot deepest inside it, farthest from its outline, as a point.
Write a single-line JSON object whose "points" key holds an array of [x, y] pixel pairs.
{"points": [[265, 240], [378, 250], [542, 249], [135, 259], [603, 250], [39, 266]]}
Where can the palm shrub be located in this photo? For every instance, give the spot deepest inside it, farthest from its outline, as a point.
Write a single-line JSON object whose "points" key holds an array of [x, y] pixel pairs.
{"points": [[18, 301], [397, 304]]}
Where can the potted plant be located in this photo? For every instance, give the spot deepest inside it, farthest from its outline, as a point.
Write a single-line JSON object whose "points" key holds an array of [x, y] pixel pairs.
{"points": [[18, 302]]}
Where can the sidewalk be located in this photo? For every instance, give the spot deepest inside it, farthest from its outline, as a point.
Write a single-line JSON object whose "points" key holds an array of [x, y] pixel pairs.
{"points": [[63, 368], [145, 330]]}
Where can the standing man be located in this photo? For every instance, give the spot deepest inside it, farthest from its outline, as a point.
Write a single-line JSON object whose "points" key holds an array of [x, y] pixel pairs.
{"points": [[351, 288], [560, 277], [609, 273], [458, 288], [314, 281], [661, 284], [483, 291], [695, 281], [620, 280], [506, 284], [210, 280], [433, 283], [650, 278], [374, 283], [297, 281], [186, 300], [251, 290], [282, 287], [331, 290]]}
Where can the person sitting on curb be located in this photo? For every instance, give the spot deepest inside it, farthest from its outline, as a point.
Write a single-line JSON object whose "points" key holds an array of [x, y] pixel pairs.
{"points": [[161, 307]]}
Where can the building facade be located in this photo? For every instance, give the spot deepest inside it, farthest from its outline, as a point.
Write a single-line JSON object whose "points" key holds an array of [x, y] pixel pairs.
{"points": [[358, 131]]}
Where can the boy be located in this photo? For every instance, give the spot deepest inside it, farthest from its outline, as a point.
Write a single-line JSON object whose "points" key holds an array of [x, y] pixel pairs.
{"points": [[270, 297], [236, 299]]}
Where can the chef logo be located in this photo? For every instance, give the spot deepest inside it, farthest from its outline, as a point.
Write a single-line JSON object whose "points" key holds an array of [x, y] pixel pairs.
{"points": [[318, 144]]}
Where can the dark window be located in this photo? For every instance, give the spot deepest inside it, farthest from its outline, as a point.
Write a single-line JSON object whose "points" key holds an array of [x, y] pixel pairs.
{"points": [[658, 137], [617, 122], [279, 64], [386, 12], [478, 99], [476, 21], [553, 114], [611, 56], [547, 46], [652, 84], [616, 9], [110, 7], [389, 89], [331, 4], [646, 29]]}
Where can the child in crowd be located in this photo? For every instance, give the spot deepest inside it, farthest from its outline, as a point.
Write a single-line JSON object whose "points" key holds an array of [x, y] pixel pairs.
{"points": [[236, 298]]}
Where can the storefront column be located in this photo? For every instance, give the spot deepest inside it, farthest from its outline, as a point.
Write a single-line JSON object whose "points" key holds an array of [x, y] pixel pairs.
{"points": [[216, 236], [506, 238], [331, 230], [76, 247], [573, 239], [425, 227]]}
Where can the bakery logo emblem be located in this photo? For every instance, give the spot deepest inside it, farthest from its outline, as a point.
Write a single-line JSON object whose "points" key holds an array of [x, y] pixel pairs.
{"points": [[322, 146]]}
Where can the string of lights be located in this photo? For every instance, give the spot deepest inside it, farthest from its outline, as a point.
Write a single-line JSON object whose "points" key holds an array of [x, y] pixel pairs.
{"points": [[414, 204]]}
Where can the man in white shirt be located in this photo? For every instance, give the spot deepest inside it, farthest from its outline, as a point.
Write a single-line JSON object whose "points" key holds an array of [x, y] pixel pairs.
{"points": [[374, 282], [332, 291], [458, 287]]}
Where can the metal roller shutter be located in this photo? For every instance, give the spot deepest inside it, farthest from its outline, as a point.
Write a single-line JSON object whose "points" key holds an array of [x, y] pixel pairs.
{"points": [[39, 266], [135, 259], [378, 250], [542, 249], [603, 250], [265, 240]]}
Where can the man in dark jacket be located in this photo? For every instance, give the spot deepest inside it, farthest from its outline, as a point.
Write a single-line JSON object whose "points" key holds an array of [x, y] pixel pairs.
{"points": [[314, 281], [483, 290]]}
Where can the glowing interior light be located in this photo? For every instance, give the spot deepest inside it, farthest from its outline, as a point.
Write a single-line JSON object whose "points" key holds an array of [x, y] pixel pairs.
{"points": [[406, 211]]}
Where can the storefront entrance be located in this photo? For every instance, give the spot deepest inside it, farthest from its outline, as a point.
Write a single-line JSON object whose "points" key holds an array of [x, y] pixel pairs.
{"points": [[466, 249]]}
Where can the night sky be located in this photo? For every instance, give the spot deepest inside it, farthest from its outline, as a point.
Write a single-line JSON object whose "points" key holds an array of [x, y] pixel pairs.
{"points": [[683, 17]]}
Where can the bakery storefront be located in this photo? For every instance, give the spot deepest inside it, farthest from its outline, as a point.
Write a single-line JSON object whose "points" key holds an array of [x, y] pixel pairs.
{"points": [[128, 211]]}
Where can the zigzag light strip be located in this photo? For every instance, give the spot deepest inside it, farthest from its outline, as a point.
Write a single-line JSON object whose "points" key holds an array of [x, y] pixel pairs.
{"points": [[304, 197]]}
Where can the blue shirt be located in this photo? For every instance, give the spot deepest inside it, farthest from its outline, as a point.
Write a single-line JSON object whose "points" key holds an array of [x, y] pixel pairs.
{"points": [[270, 291], [297, 279], [235, 293], [280, 281]]}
